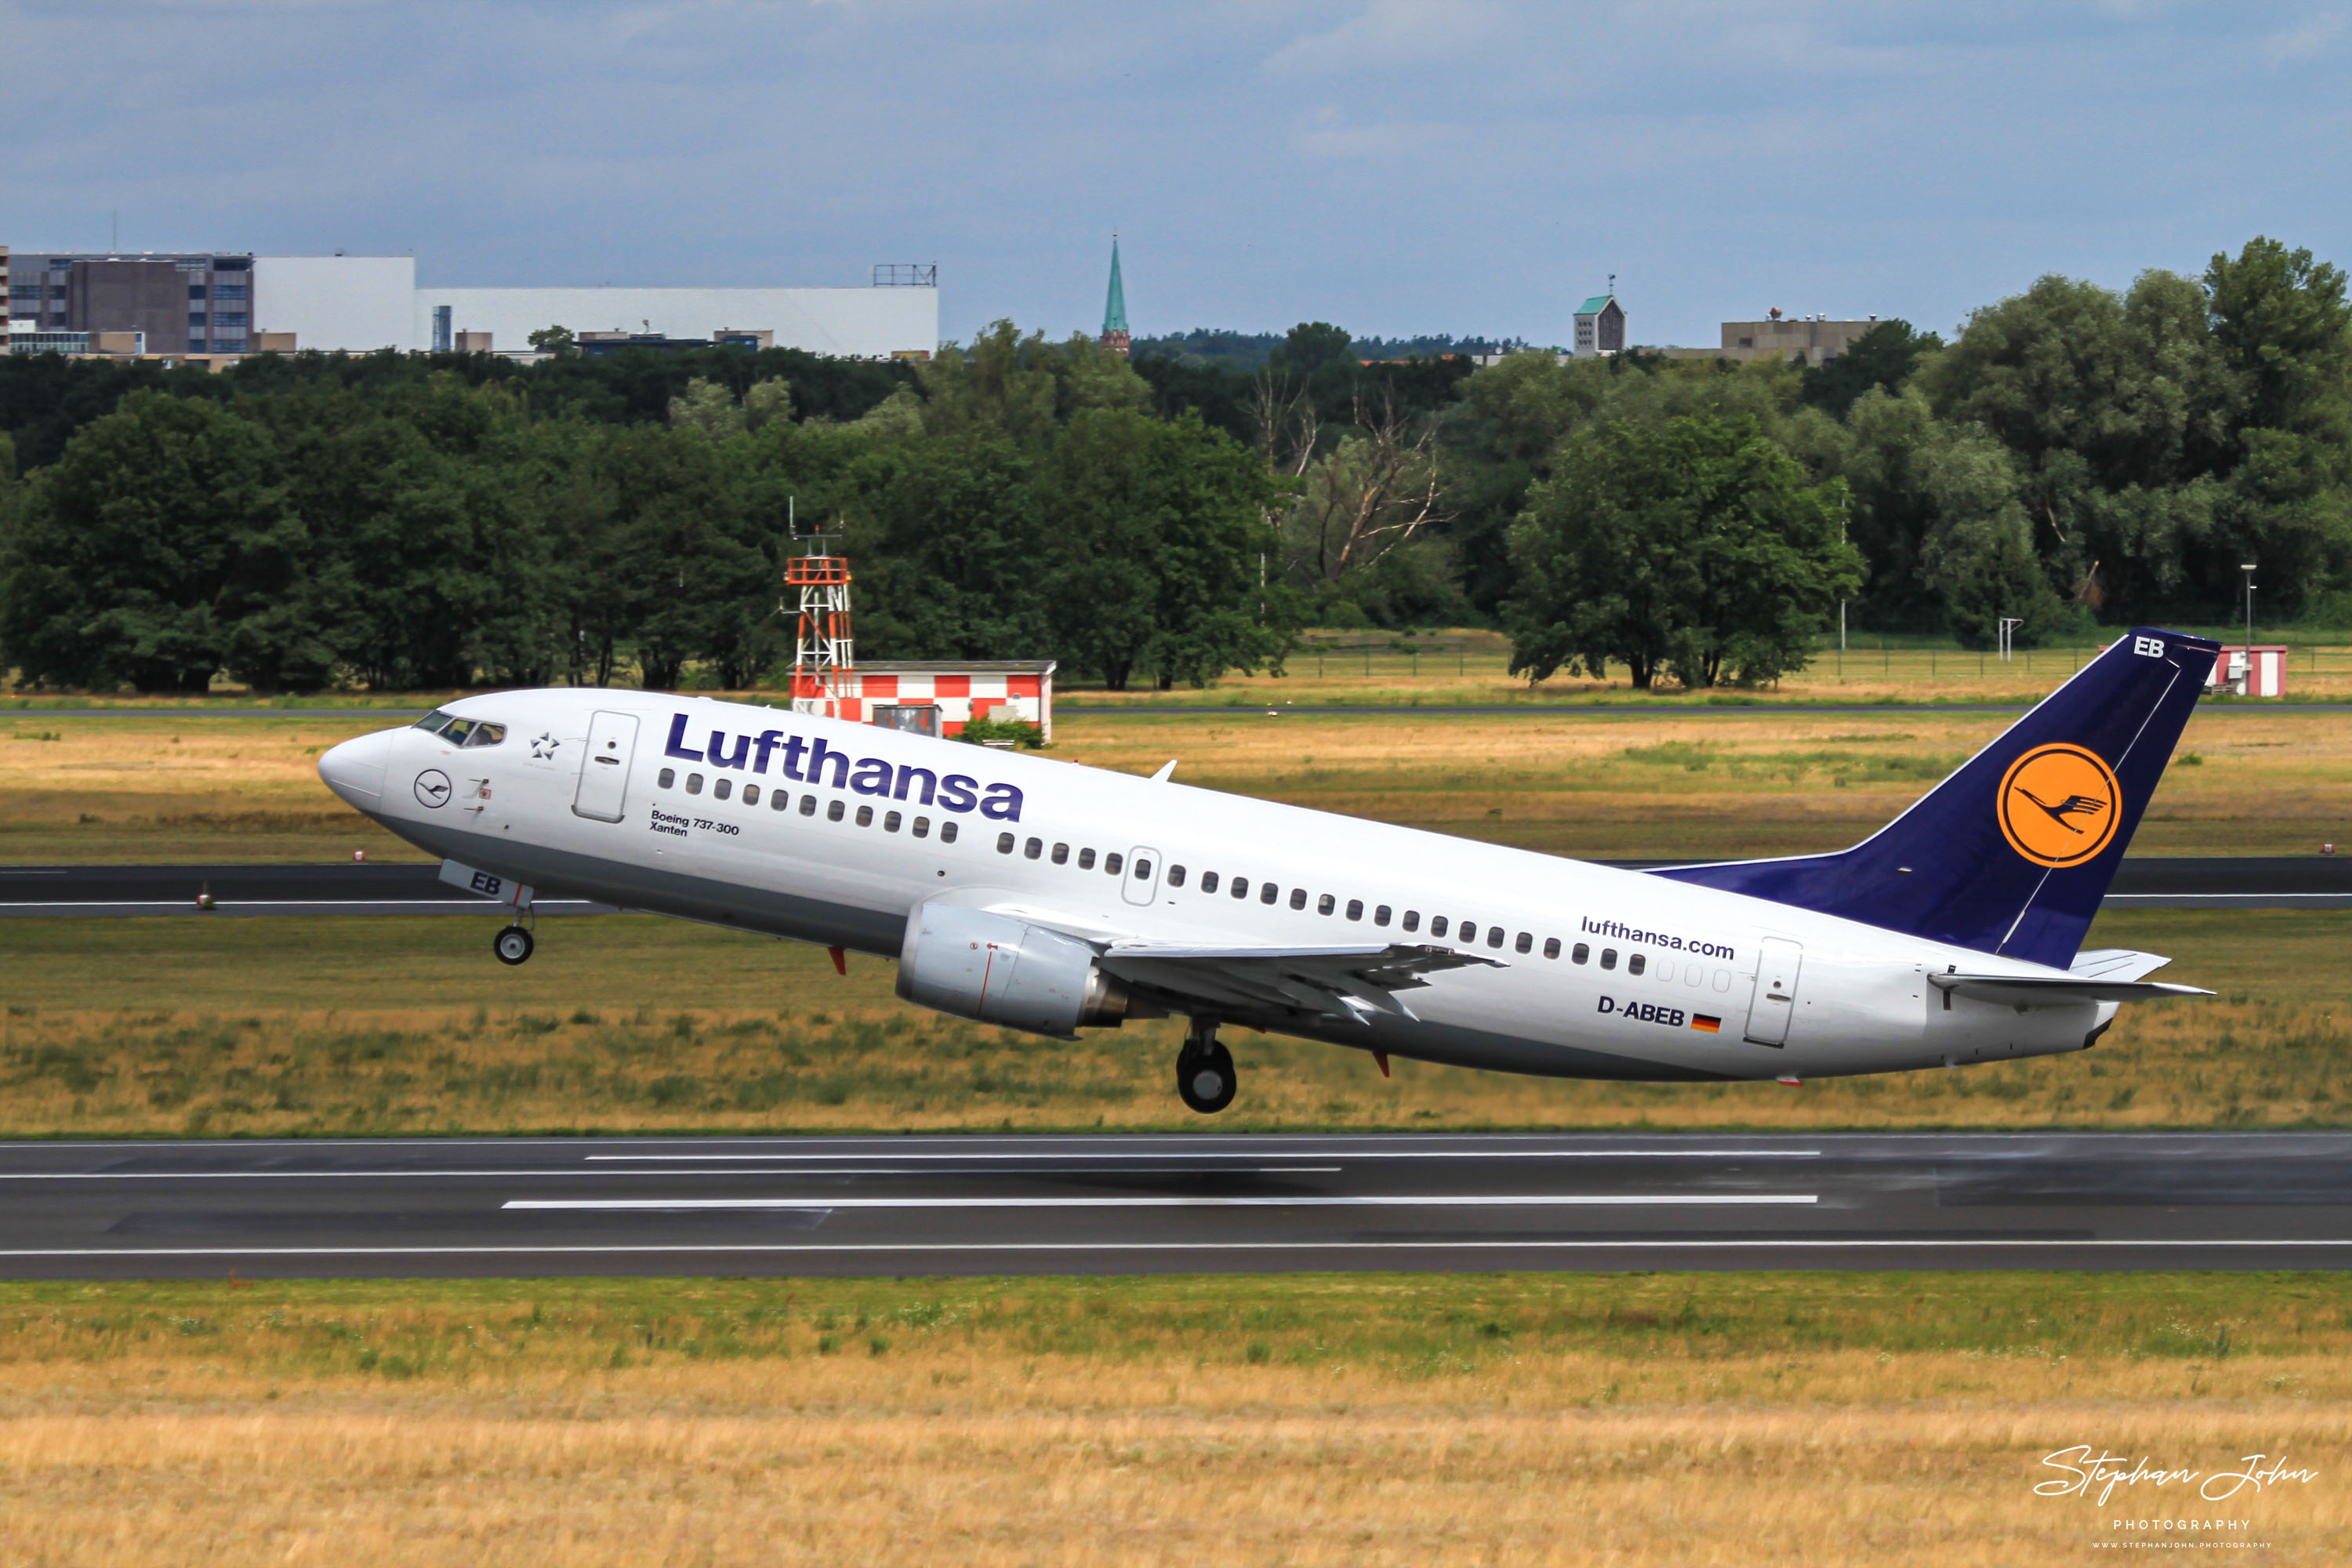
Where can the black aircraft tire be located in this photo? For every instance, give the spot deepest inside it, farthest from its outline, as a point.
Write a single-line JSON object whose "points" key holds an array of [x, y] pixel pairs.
{"points": [[1205, 1080], [512, 945]]}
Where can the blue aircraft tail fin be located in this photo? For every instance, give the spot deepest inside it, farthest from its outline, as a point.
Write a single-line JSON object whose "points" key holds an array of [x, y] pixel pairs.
{"points": [[2012, 853]]}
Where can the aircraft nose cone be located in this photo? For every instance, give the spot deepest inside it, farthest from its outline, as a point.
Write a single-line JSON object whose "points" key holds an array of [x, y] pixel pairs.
{"points": [[354, 770]]}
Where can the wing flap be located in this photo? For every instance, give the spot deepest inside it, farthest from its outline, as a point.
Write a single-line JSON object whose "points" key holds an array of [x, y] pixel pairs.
{"points": [[1351, 982]]}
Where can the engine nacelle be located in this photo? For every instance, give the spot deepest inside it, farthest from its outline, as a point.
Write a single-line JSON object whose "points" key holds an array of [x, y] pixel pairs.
{"points": [[997, 969]]}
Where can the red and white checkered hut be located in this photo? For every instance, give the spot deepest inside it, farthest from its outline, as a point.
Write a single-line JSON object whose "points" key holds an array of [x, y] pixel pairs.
{"points": [[938, 697]]}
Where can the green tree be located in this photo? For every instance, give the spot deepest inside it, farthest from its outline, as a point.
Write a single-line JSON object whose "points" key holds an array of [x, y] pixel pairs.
{"points": [[1311, 346], [1161, 533], [1694, 549], [136, 558], [1884, 356], [553, 340]]}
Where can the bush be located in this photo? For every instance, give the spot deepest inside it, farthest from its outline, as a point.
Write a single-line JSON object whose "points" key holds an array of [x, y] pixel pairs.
{"points": [[1026, 735]]}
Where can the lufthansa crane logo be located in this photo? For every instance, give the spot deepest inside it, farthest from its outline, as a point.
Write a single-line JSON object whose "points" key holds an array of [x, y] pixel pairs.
{"points": [[432, 788], [2058, 805]]}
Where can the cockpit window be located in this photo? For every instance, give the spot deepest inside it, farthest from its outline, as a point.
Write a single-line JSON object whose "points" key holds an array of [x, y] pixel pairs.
{"points": [[457, 730], [434, 720], [486, 735]]}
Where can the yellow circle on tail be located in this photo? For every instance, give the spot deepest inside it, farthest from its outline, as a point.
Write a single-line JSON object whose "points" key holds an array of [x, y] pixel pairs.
{"points": [[2059, 806]]}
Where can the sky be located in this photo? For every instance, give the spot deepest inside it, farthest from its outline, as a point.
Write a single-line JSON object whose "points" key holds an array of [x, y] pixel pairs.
{"points": [[1394, 166]]}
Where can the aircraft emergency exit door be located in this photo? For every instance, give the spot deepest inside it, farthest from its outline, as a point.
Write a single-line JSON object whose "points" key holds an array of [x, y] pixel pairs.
{"points": [[1776, 992], [605, 775]]}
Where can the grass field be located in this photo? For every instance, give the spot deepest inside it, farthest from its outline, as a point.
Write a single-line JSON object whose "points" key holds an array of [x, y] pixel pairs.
{"points": [[635, 1024], [1316, 1419], [1720, 783]]}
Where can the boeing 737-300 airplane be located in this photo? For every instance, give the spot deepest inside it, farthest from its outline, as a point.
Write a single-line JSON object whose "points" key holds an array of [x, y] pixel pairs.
{"points": [[1047, 897]]}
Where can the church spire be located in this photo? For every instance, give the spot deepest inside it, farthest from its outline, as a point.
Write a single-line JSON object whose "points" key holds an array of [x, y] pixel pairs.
{"points": [[1114, 332]]}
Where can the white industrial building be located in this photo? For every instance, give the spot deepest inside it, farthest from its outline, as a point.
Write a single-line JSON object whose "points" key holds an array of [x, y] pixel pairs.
{"points": [[361, 303]]}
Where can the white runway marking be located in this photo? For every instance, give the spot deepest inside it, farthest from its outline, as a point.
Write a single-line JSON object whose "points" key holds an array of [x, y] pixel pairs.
{"points": [[1155, 1201], [512, 1173], [1335, 1153]]}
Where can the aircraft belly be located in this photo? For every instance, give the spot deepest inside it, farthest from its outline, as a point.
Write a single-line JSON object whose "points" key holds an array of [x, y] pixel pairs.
{"points": [[688, 891]]}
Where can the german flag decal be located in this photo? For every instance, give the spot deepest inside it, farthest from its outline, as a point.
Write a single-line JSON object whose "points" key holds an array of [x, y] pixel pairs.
{"points": [[1705, 1025]]}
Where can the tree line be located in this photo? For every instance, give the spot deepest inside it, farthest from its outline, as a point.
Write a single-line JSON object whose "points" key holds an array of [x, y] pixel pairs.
{"points": [[2073, 456]]}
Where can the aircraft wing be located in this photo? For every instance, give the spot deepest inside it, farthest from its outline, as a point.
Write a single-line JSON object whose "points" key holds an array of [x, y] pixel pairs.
{"points": [[1351, 982]]}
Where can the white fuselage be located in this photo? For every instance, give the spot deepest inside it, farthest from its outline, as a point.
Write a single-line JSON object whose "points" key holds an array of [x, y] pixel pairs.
{"points": [[1642, 962]]}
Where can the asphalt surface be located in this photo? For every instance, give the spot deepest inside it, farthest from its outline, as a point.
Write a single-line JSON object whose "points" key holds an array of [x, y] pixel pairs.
{"points": [[2303, 881], [1255, 1204]]}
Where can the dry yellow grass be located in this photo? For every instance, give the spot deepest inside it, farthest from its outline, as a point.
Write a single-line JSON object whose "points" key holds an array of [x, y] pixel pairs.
{"points": [[1599, 783], [1525, 1419], [630, 1023]]}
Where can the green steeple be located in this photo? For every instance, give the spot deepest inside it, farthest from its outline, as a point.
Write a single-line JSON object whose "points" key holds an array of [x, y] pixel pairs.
{"points": [[1115, 307]]}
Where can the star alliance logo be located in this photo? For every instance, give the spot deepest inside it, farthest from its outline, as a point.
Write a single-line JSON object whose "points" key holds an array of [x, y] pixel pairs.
{"points": [[544, 747]]}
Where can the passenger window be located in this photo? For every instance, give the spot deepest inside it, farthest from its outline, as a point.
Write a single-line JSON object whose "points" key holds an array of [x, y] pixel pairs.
{"points": [[1035, 847], [946, 831], [1608, 958], [1175, 876], [1086, 860], [865, 816], [1379, 916], [1143, 870], [1061, 854], [1469, 934], [1581, 952], [923, 827], [1111, 862], [832, 811], [1240, 887], [782, 799], [1495, 938], [694, 784], [1436, 925], [1552, 947], [487, 735], [1355, 909], [1413, 919], [1297, 898], [457, 730], [750, 795], [1635, 962], [1525, 943], [1004, 843], [890, 822], [1267, 892], [1665, 969], [722, 788], [808, 805], [666, 778], [1326, 904], [1208, 881]]}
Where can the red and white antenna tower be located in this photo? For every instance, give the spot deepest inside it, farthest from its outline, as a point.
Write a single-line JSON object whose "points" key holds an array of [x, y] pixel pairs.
{"points": [[823, 659]]}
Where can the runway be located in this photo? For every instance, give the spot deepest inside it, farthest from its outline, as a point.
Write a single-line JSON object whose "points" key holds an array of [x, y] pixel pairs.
{"points": [[1069, 708], [1147, 1203], [2299, 881]]}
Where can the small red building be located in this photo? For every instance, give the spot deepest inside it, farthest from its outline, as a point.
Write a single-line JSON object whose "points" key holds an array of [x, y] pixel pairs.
{"points": [[937, 697], [2256, 671]]}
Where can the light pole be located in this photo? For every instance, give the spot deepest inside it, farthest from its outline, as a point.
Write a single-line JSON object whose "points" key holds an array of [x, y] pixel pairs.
{"points": [[2247, 568]]}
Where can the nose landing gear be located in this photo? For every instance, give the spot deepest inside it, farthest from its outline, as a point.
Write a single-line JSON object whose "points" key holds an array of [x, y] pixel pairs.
{"points": [[1205, 1079], [512, 945]]}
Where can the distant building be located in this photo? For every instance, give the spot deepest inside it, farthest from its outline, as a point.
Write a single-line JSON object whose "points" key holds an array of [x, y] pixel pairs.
{"points": [[198, 302], [208, 304], [1114, 332], [1600, 327], [1809, 340]]}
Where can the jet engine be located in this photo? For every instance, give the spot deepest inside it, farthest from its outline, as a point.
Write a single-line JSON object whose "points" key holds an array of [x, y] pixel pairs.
{"points": [[998, 970]]}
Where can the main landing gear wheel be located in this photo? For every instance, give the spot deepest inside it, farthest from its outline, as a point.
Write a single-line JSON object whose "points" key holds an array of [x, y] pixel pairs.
{"points": [[512, 945], [1205, 1079]]}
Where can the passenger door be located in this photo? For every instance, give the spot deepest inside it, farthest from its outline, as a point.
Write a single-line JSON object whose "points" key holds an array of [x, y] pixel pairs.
{"points": [[1141, 883], [604, 775], [1776, 992]]}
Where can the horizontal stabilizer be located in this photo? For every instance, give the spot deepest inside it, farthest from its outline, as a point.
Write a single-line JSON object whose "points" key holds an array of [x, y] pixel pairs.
{"points": [[2057, 991]]}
